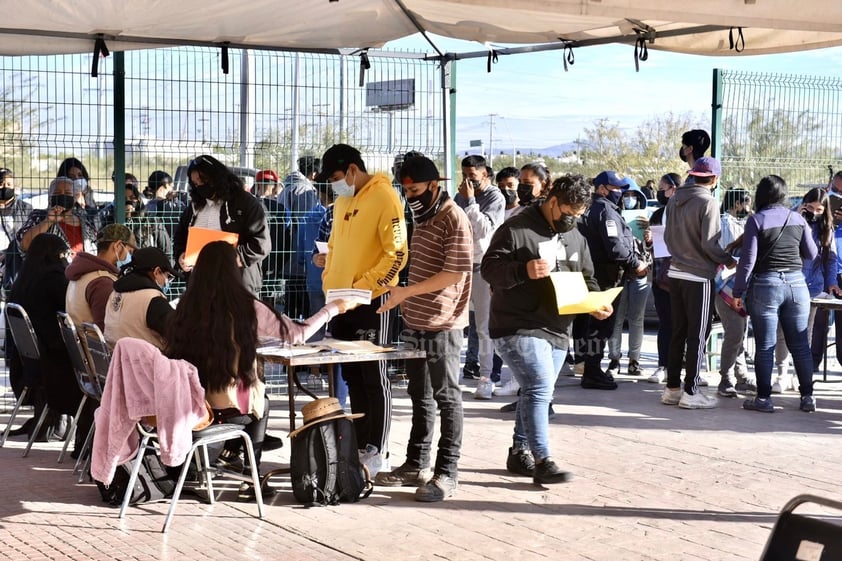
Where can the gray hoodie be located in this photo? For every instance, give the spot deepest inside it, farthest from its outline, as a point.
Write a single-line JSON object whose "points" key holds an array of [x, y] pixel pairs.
{"points": [[692, 231]]}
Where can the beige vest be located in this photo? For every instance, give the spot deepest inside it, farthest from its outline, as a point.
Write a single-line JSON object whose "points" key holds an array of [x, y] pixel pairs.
{"points": [[75, 301], [125, 316]]}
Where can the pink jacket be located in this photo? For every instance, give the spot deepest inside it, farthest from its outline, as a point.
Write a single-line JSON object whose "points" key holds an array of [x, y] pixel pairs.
{"points": [[143, 382]]}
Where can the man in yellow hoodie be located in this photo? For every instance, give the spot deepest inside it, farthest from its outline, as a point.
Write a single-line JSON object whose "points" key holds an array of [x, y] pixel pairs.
{"points": [[366, 250]]}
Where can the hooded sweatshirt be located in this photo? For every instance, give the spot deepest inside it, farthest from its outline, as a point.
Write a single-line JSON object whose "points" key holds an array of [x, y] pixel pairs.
{"points": [[91, 282], [693, 230]]}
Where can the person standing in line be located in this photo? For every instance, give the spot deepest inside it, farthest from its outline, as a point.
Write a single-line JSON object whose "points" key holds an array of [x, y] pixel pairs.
{"points": [[660, 283], [219, 201], [692, 237], [732, 362], [611, 244], [367, 250], [435, 310], [776, 243], [485, 206], [526, 327]]}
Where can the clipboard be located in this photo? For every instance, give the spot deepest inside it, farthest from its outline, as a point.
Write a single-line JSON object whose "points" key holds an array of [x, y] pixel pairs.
{"points": [[197, 238]]}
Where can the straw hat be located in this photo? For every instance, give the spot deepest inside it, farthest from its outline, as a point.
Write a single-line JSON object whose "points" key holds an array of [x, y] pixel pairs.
{"points": [[321, 410]]}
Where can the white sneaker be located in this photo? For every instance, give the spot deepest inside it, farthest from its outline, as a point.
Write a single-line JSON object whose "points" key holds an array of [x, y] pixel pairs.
{"points": [[508, 389], [697, 401], [671, 396], [658, 376], [485, 388], [371, 458], [776, 386]]}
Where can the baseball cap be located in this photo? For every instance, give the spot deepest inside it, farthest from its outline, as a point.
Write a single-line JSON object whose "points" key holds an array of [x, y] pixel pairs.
{"points": [[419, 169], [337, 158], [706, 166], [266, 176], [147, 258], [115, 233], [611, 178]]}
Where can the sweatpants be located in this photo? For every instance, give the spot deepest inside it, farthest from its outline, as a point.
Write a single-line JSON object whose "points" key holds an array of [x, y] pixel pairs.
{"points": [[691, 317], [368, 382]]}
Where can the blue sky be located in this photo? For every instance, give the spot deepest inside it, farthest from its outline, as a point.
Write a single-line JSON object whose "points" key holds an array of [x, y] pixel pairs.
{"points": [[539, 104]]}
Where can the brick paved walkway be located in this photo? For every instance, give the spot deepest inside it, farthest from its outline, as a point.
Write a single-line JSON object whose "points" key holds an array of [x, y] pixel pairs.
{"points": [[651, 483]]}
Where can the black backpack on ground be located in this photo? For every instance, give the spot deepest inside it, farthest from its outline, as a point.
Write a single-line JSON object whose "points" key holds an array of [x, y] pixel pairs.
{"points": [[325, 465], [153, 482]]}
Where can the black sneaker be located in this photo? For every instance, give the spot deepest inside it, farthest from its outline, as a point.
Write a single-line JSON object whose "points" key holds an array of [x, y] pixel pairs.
{"points": [[272, 443], [471, 371], [509, 407], [230, 461], [598, 381], [634, 368], [613, 368], [548, 473], [520, 462]]}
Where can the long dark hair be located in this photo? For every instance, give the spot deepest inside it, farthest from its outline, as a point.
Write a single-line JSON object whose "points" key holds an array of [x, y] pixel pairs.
{"points": [[771, 190], [214, 326], [46, 252], [825, 220], [225, 183], [69, 163]]}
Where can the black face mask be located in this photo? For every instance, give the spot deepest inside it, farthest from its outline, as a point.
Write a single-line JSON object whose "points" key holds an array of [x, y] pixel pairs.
{"points": [[809, 216], [614, 197], [743, 213], [64, 201], [510, 196], [206, 191], [566, 223], [6, 193], [682, 155], [524, 193], [421, 204], [662, 197]]}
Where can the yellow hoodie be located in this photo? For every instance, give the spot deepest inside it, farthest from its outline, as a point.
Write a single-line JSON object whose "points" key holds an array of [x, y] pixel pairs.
{"points": [[368, 245]]}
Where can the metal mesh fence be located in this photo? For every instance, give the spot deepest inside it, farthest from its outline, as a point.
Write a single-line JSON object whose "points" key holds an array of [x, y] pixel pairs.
{"points": [[270, 109], [783, 124]]}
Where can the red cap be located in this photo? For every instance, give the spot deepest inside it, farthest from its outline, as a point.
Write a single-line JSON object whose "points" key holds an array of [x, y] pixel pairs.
{"points": [[266, 176]]}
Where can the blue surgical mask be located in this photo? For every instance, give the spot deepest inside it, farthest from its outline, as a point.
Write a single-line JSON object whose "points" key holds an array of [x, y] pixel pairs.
{"points": [[166, 288], [123, 262], [629, 203], [342, 188]]}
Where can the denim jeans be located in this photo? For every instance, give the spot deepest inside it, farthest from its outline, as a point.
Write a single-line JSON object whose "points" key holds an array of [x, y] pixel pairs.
{"points": [[433, 382], [535, 363], [632, 307], [774, 297]]}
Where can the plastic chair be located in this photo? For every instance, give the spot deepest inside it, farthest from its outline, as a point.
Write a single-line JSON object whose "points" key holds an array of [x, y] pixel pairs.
{"points": [[199, 452], [98, 356], [85, 376], [798, 536], [28, 346]]}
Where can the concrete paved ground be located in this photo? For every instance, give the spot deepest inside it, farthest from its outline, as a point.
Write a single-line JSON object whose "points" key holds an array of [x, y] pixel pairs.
{"points": [[651, 483]]}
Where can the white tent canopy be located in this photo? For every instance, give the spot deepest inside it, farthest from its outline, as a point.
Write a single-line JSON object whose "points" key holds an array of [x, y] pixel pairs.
{"points": [[67, 26]]}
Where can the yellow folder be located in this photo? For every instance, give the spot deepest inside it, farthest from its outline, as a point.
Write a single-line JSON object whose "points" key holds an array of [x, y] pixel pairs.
{"points": [[572, 296]]}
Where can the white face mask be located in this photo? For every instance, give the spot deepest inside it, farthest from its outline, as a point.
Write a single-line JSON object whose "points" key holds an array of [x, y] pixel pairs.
{"points": [[80, 185], [341, 188]]}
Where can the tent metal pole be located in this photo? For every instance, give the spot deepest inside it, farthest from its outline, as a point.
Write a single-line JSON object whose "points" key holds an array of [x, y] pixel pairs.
{"points": [[119, 143]]}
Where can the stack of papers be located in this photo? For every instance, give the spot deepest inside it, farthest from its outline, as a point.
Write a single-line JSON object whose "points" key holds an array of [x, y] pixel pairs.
{"points": [[277, 347], [349, 295]]}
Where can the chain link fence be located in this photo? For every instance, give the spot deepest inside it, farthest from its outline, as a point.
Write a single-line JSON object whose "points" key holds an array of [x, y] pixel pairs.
{"points": [[269, 110]]}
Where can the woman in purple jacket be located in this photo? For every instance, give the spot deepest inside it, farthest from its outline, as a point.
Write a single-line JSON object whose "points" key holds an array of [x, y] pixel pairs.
{"points": [[775, 242]]}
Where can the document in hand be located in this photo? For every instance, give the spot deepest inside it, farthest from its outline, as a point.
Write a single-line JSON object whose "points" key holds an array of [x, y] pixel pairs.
{"points": [[197, 238], [350, 295], [572, 296]]}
